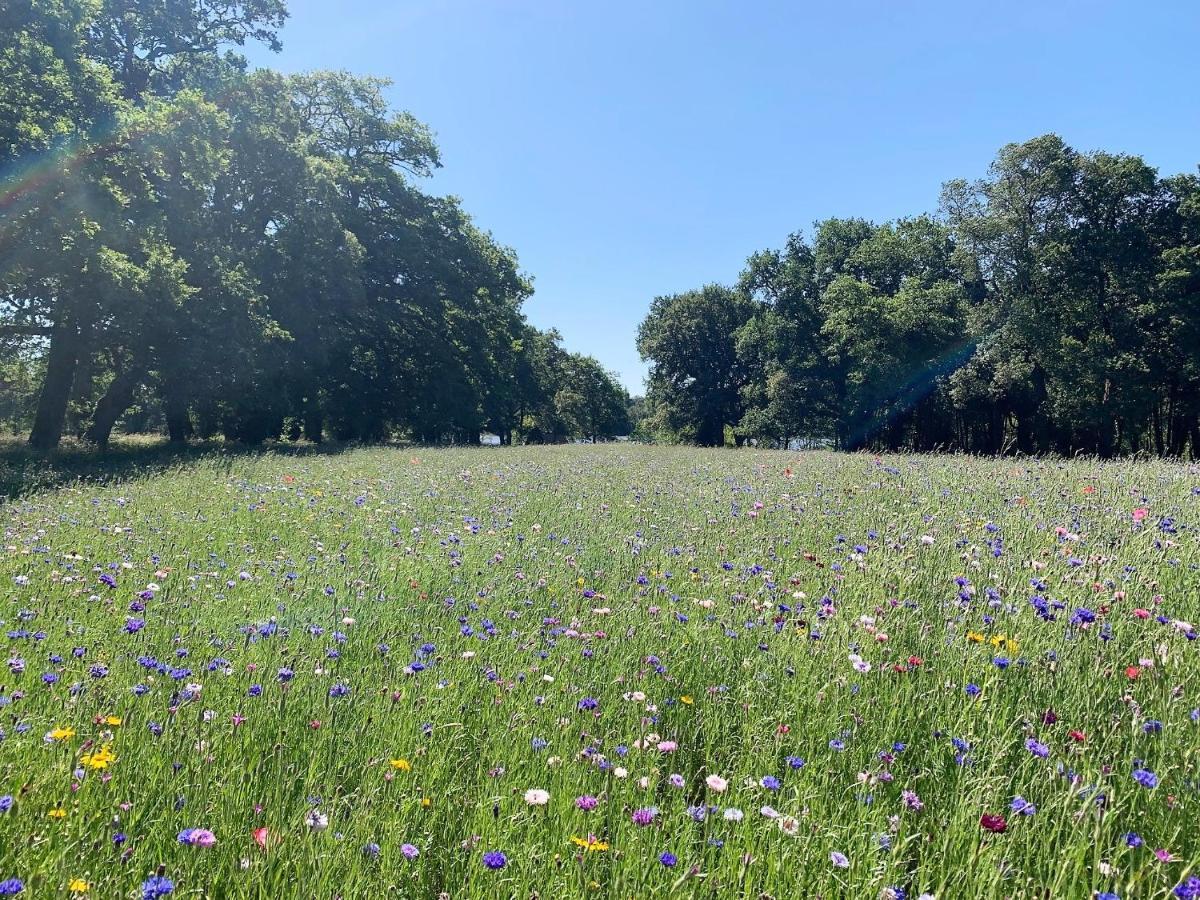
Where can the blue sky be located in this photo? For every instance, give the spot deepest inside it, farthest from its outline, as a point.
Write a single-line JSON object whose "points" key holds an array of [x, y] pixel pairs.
{"points": [[630, 149]]}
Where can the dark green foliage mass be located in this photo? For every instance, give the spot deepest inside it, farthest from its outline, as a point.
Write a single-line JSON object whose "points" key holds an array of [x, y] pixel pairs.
{"points": [[1052, 307], [190, 245]]}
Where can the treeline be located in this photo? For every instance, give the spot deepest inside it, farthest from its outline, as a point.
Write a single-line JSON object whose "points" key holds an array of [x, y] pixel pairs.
{"points": [[189, 245], [1052, 307]]}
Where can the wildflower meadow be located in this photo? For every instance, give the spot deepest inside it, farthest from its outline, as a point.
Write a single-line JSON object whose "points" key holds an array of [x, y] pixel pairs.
{"points": [[603, 671]]}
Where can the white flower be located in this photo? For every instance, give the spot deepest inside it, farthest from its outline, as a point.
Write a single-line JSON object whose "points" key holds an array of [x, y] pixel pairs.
{"points": [[620, 772], [317, 820], [769, 812], [537, 797], [733, 814], [789, 825], [927, 540], [716, 783]]}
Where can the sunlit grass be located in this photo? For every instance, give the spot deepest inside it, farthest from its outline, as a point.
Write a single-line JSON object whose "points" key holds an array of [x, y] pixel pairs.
{"points": [[467, 626]]}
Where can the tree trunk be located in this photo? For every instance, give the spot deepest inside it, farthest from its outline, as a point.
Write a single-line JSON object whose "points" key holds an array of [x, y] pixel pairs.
{"points": [[314, 421], [61, 362], [114, 402], [175, 408]]}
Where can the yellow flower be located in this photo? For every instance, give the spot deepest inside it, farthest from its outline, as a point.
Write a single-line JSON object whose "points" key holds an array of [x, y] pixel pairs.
{"points": [[975, 637], [78, 886], [594, 885], [114, 721], [426, 803], [62, 734], [58, 813], [579, 582], [686, 700], [100, 759], [590, 844], [402, 764]]}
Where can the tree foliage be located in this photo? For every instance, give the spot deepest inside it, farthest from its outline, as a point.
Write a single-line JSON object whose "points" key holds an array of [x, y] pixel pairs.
{"points": [[221, 251]]}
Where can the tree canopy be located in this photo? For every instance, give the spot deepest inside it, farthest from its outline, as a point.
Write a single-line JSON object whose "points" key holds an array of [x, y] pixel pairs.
{"points": [[1051, 307], [191, 245]]}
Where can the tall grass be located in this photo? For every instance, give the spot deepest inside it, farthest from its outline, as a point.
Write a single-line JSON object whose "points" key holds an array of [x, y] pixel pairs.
{"points": [[465, 626]]}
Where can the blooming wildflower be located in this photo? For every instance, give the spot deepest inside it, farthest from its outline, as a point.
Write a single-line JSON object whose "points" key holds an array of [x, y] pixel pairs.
{"points": [[1023, 806], [770, 782], [537, 797], [157, 886], [591, 843], [409, 851], [716, 783], [644, 816], [402, 765], [789, 825], [911, 800], [839, 860], [197, 837], [993, 823], [586, 802], [11, 886], [1038, 749], [78, 886], [316, 820], [1145, 778], [733, 814], [668, 859], [495, 859]]}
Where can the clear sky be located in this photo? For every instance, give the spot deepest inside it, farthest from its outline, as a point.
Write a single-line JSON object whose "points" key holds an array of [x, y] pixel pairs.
{"points": [[630, 149]]}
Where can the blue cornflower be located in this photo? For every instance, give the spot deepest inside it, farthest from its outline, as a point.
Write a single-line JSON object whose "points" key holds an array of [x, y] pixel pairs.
{"points": [[1037, 748], [11, 886], [668, 859], [157, 886], [1145, 778], [495, 859]]}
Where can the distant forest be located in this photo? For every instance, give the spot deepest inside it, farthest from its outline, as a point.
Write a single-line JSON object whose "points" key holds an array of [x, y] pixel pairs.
{"points": [[192, 247], [1052, 307]]}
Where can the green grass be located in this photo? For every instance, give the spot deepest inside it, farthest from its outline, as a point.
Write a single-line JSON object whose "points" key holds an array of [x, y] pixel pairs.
{"points": [[590, 563]]}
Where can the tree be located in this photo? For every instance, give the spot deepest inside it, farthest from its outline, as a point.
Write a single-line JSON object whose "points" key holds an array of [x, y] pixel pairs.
{"points": [[695, 374]]}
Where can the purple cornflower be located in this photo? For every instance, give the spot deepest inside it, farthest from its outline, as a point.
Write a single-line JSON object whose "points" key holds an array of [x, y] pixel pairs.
{"points": [[586, 802], [644, 816], [495, 859], [668, 859], [1145, 778]]}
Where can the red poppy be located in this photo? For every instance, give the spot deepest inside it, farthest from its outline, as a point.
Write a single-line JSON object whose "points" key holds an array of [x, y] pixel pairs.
{"points": [[994, 824]]}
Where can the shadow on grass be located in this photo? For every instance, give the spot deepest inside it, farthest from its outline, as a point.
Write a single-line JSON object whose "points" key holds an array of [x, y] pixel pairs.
{"points": [[24, 471]]}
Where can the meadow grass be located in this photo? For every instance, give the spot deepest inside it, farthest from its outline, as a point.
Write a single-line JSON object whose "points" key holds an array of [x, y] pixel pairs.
{"points": [[775, 674]]}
